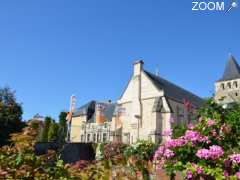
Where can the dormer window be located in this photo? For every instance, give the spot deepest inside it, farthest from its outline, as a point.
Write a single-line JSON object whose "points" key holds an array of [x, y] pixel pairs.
{"points": [[235, 84], [222, 86], [229, 85]]}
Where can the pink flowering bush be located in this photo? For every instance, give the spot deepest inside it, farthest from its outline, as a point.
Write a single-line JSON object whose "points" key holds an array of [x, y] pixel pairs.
{"points": [[209, 147], [215, 152]]}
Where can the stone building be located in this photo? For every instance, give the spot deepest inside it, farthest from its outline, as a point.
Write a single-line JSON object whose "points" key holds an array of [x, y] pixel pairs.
{"points": [[91, 122], [227, 89], [143, 111], [147, 105]]}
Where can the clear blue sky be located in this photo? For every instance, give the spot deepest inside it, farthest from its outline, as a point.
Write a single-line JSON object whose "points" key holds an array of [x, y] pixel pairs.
{"points": [[52, 49]]}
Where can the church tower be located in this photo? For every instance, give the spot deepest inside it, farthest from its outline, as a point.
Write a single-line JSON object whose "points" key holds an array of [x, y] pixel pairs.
{"points": [[227, 89]]}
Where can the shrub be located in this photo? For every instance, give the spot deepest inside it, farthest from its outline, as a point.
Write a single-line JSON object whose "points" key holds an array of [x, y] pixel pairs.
{"points": [[208, 149], [139, 155]]}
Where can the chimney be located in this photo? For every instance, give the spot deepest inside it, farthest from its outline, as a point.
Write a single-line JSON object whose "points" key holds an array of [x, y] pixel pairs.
{"points": [[137, 67]]}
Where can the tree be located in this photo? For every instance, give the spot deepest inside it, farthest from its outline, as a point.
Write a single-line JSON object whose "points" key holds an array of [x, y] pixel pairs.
{"points": [[47, 123], [10, 115], [53, 131], [62, 133]]}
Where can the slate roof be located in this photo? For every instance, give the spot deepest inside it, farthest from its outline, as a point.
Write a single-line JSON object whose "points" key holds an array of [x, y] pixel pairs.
{"points": [[173, 91], [89, 109], [232, 70], [83, 110]]}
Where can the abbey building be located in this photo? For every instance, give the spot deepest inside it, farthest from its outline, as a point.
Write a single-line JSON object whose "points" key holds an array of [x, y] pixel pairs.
{"points": [[144, 111]]}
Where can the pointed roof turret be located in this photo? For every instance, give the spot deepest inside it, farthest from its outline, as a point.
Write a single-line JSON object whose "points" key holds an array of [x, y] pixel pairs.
{"points": [[232, 70]]}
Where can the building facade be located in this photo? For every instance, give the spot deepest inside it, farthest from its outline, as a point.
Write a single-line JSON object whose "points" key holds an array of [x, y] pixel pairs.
{"points": [[148, 104], [227, 89], [143, 111], [91, 122]]}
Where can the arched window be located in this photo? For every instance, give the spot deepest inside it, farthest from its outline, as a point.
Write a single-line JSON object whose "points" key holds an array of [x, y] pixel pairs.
{"points": [[235, 84], [229, 85], [222, 86]]}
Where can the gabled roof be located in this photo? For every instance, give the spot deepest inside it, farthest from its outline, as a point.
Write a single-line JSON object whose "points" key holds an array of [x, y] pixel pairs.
{"points": [[232, 70], [173, 91]]}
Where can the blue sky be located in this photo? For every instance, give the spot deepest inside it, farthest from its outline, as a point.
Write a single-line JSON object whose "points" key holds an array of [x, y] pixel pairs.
{"points": [[52, 49]]}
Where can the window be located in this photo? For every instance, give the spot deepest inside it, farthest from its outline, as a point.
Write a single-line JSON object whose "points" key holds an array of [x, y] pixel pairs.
{"points": [[235, 84], [104, 137], [88, 137], [229, 85], [105, 125], [94, 137], [222, 86], [236, 94]]}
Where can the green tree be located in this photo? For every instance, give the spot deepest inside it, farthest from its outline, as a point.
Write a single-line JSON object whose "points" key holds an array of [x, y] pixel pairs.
{"points": [[10, 115], [44, 134], [53, 131], [62, 132]]}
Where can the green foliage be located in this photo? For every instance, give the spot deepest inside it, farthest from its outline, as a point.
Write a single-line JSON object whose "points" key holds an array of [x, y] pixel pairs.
{"points": [[10, 115], [62, 131], [53, 131], [142, 149], [47, 124], [20, 162], [178, 130], [139, 156]]}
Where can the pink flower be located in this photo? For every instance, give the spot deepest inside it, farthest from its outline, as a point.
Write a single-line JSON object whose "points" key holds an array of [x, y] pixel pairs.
{"points": [[235, 158], [203, 154], [216, 152], [190, 126], [226, 174], [204, 139], [199, 170], [195, 136], [213, 153], [168, 153], [189, 175], [173, 143], [192, 135], [238, 175], [210, 122], [159, 152]]}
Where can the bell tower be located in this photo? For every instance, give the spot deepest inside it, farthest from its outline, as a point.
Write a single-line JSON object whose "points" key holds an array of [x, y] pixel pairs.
{"points": [[227, 89]]}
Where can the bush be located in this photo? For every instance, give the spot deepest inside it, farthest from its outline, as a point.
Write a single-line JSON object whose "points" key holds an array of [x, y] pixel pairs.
{"points": [[19, 161], [139, 156], [208, 149]]}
